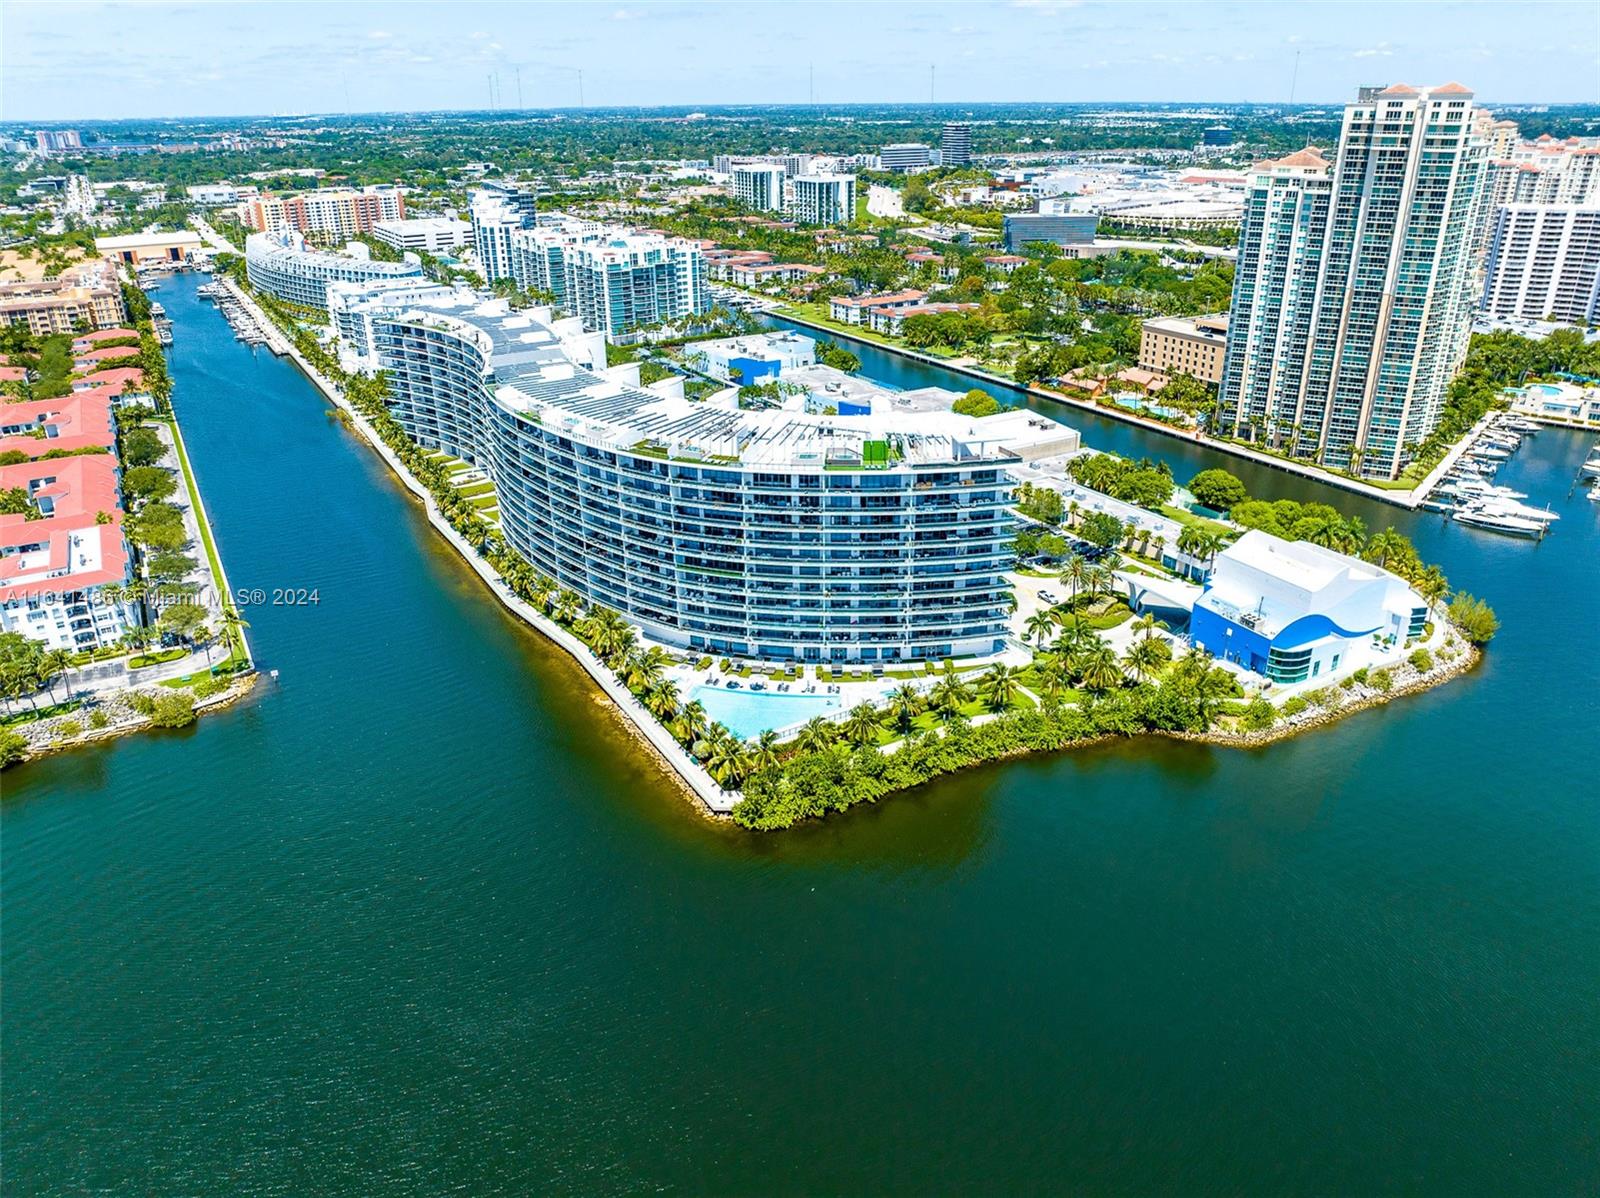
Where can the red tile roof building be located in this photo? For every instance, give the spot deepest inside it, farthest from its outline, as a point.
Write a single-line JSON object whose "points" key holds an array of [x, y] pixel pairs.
{"points": [[54, 568], [81, 420]]}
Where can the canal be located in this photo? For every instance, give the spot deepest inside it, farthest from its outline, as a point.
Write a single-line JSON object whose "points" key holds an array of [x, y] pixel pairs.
{"points": [[417, 918]]}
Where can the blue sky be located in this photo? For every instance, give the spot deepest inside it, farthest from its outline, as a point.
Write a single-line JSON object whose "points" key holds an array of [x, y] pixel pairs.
{"points": [[74, 61]]}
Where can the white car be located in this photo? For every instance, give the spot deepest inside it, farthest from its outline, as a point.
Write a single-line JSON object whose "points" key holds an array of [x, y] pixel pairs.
{"points": [[1048, 597]]}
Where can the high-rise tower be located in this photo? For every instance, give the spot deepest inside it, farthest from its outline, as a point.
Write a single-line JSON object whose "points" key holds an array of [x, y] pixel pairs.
{"points": [[1355, 287]]}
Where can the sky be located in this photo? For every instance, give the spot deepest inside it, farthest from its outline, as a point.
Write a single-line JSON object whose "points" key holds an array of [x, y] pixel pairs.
{"points": [[65, 60]]}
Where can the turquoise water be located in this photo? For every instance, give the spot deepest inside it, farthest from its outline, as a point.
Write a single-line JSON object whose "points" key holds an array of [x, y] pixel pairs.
{"points": [[419, 918], [748, 713], [1135, 403]]}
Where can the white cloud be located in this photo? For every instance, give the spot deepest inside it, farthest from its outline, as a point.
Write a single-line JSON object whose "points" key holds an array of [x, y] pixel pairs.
{"points": [[380, 35], [1381, 50], [1047, 8]]}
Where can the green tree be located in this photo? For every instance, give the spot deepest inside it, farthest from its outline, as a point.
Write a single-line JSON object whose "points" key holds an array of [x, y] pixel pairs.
{"points": [[816, 735], [861, 725], [977, 403], [1474, 617], [999, 687], [1217, 489], [905, 704], [148, 482]]}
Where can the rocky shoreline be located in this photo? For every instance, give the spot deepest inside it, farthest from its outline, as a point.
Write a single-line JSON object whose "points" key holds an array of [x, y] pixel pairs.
{"points": [[1407, 680], [47, 736]]}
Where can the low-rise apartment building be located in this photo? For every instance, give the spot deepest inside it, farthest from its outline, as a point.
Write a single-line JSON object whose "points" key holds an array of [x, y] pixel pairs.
{"points": [[57, 561], [88, 295], [1182, 345], [73, 422], [853, 309], [891, 320]]}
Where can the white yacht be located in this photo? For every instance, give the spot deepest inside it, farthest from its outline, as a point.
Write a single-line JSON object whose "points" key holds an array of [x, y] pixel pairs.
{"points": [[1591, 467], [1514, 519]]}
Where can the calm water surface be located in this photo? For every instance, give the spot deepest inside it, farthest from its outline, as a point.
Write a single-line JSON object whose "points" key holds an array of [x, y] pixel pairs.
{"points": [[418, 919]]}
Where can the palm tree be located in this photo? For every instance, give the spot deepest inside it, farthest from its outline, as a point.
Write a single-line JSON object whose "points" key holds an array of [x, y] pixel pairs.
{"points": [[726, 760], [1076, 575], [1147, 656], [691, 722], [644, 670], [1324, 531], [861, 727], [816, 735], [1040, 625], [233, 625], [999, 687], [566, 605], [1100, 669], [904, 706], [1199, 544], [1055, 676], [764, 755], [1432, 585], [951, 692], [52, 664], [1352, 535], [1382, 547], [661, 699]]}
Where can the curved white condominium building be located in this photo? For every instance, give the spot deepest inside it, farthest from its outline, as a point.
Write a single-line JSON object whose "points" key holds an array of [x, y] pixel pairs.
{"points": [[281, 264], [778, 534]]}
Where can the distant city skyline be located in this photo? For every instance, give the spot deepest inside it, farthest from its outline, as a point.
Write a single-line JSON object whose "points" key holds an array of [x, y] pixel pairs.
{"points": [[65, 62]]}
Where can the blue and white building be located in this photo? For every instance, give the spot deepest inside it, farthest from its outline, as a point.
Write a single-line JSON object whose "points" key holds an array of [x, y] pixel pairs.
{"points": [[1292, 611], [282, 265], [776, 534], [758, 357]]}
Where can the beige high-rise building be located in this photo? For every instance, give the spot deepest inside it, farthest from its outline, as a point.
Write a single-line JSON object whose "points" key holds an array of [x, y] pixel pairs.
{"points": [[1356, 284]]}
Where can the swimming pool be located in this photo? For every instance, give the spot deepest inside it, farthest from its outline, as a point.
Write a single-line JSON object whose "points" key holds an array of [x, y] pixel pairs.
{"points": [[749, 713], [1547, 390], [1137, 403]]}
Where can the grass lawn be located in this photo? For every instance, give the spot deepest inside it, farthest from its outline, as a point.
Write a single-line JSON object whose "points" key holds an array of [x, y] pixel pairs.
{"points": [[155, 659], [218, 578], [44, 713], [1183, 516], [928, 721], [473, 490], [1099, 616]]}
